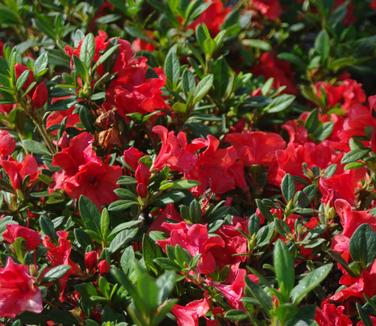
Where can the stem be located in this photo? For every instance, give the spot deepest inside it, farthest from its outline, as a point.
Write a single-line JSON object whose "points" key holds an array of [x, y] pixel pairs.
{"points": [[43, 132]]}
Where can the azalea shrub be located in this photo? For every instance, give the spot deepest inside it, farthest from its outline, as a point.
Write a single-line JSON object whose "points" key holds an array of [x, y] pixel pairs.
{"points": [[176, 162]]}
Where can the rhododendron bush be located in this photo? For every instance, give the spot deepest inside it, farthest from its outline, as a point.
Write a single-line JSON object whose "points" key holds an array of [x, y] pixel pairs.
{"points": [[176, 162]]}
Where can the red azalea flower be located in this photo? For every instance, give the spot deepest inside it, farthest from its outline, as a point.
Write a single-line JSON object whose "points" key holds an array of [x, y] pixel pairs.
{"points": [[91, 259], [40, 96], [79, 152], [219, 169], [345, 94], [341, 186], [56, 118], [17, 291], [271, 9], [196, 240], [175, 151], [357, 287], [17, 171], [100, 46], [350, 220], [235, 248], [13, 231], [103, 267], [270, 66], [256, 147], [332, 315], [94, 180], [162, 215], [233, 288], [132, 156], [189, 314], [142, 175], [60, 255], [7, 144], [213, 17]]}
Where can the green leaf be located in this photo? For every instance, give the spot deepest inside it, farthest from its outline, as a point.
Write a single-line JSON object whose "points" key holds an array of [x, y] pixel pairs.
{"points": [[203, 88], [106, 55], [284, 268], [235, 315], [363, 244], [87, 49], [172, 68], [288, 187], [105, 223], [309, 282], [261, 296], [89, 214], [47, 227], [323, 131], [35, 147], [259, 44], [322, 45], [56, 273], [280, 103], [40, 64], [121, 205], [354, 155], [22, 79], [179, 184], [312, 122], [122, 239]]}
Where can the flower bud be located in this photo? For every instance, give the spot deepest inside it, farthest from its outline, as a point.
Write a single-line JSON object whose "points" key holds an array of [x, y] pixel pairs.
{"points": [[103, 267], [90, 259]]}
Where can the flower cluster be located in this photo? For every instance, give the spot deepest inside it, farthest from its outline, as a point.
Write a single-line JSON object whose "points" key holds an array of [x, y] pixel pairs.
{"points": [[188, 162]]}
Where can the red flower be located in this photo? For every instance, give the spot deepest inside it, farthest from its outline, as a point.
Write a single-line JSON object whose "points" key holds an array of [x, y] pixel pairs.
{"points": [[40, 96], [131, 157], [271, 9], [256, 147], [175, 151], [56, 118], [235, 248], [132, 91], [17, 171], [345, 94], [217, 168], [7, 143], [83, 173], [332, 315], [1, 48], [142, 175], [17, 291], [79, 152], [270, 66], [103, 267], [95, 181], [232, 289], [100, 46], [60, 255], [341, 186], [195, 239], [357, 287], [13, 231], [91, 259], [189, 314], [213, 17], [350, 221]]}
